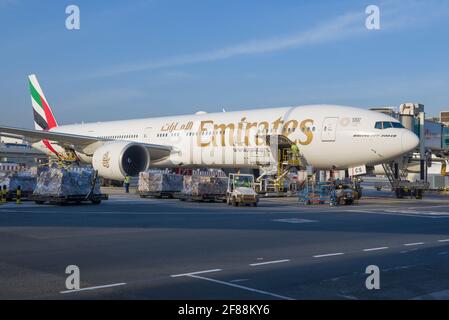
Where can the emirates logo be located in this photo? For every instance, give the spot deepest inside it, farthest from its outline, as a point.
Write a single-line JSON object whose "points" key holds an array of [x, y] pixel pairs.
{"points": [[106, 159]]}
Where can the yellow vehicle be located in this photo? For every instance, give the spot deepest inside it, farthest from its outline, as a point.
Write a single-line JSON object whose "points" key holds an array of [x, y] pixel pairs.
{"points": [[241, 190]]}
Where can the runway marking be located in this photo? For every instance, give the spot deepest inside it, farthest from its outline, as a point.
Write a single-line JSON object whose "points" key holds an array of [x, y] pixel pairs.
{"points": [[268, 262], [238, 280], [375, 249], [193, 273], [294, 220], [241, 287], [443, 240], [328, 255], [400, 213], [94, 288], [439, 295], [413, 244], [414, 212]]}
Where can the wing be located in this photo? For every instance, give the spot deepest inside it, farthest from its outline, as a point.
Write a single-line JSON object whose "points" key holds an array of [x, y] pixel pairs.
{"points": [[76, 142]]}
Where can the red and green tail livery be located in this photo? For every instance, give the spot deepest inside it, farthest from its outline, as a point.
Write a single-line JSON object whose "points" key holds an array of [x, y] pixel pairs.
{"points": [[43, 116]]}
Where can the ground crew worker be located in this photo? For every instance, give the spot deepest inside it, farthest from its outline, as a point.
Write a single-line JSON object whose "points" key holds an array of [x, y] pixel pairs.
{"points": [[4, 193], [126, 183], [18, 195], [294, 148], [295, 151]]}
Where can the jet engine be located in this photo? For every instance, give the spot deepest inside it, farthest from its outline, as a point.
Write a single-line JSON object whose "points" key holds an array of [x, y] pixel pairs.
{"points": [[117, 159]]}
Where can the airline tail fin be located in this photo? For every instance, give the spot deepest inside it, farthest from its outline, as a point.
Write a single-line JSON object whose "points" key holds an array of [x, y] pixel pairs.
{"points": [[43, 116]]}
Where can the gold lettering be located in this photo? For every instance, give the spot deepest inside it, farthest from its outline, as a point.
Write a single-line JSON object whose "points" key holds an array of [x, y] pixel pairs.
{"points": [[264, 131], [276, 125], [308, 133], [200, 131], [221, 130], [247, 132], [289, 127], [240, 132]]}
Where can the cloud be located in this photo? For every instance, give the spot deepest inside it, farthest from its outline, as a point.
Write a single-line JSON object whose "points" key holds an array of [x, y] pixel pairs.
{"points": [[395, 15], [332, 30]]}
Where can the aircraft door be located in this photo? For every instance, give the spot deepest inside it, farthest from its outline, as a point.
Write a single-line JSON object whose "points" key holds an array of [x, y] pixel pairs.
{"points": [[329, 131]]}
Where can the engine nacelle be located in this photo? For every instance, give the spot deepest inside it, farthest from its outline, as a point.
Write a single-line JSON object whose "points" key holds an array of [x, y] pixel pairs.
{"points": [[117, 159]]}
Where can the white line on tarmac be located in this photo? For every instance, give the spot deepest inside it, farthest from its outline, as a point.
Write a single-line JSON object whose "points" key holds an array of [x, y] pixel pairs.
{"points": [[375, 249], [443, 240], [384, 212], [413, 244], [241, 287], [94, 288], [329, 255], [193, 273], [268, 262]]}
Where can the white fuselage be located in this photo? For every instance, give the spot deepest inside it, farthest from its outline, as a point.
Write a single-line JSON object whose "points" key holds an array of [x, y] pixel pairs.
{"points": [[328, 136]]}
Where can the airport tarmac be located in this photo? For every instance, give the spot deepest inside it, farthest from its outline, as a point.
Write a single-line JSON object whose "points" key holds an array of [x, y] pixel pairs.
{"points": [[132, 248]]}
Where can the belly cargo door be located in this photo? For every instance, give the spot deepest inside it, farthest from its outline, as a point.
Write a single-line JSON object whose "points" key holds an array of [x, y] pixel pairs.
{"points": [[329, 131]]}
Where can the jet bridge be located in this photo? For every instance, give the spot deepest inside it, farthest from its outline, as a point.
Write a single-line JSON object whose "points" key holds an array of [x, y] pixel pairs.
{"points": [[431, 149]]}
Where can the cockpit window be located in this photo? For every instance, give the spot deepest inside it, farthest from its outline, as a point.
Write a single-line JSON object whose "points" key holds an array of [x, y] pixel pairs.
{"points": [[387, 124], [397, 125]]}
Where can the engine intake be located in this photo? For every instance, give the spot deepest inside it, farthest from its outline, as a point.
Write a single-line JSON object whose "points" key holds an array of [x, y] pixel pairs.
{"points": [[118, 159]]}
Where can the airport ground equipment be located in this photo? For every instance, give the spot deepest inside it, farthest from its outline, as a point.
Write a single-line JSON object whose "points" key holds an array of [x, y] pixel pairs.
{"points": [[402, 187], [317, 193], [159, 184], [345, 194], [68, 199], [241, 190], [203, 188], [286, 156], [66, 185]]}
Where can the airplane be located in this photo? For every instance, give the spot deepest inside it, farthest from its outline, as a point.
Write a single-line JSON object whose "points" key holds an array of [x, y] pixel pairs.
{"points": [[328, 136]]}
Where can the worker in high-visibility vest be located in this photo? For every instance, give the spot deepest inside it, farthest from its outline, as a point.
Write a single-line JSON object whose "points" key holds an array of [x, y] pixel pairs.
{"points": [[126, 183], [18, 195], [294, 149], [4, 193]]}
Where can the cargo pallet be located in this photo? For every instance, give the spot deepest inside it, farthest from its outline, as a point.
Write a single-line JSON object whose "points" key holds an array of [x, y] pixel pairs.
{"points": [[159, 194], [62, 200], [201, 198]]}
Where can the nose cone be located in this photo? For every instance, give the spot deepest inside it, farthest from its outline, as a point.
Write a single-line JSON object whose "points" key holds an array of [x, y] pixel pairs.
{"points": [[409, 141]]}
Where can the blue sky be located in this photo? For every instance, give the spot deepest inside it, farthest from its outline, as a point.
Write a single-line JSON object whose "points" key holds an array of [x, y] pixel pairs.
{"points": [[134, 59]]}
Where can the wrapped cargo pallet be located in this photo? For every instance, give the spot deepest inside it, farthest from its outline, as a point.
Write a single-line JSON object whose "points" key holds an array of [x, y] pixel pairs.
{"points": [[62, 182], [25, 180], [155, 182], [204, 185]]}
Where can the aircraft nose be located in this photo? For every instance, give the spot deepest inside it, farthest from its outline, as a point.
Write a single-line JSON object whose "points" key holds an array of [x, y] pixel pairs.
{"points": [[409, 141]]}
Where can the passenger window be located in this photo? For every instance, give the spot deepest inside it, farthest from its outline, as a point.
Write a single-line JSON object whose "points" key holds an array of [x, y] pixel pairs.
{"points": [[387, 125], [378, 125]]}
